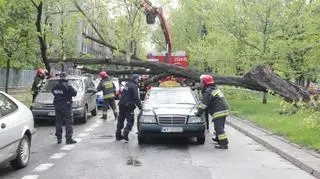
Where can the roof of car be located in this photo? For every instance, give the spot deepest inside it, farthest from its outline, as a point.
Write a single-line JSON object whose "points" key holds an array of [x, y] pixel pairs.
{"points": [[171, 88], [69, 77]]}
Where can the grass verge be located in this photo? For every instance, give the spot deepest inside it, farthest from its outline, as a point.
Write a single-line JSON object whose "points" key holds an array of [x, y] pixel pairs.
{"points": [[299, 126]]}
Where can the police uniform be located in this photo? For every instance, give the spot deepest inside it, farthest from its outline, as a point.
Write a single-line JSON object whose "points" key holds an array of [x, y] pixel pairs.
{"points": [[108, 90], [213, 101], [128, 101], [63, 93]]}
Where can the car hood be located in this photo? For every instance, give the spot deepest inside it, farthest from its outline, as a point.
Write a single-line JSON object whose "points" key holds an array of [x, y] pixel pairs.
{"points": [[170, 109], [47, 98]]}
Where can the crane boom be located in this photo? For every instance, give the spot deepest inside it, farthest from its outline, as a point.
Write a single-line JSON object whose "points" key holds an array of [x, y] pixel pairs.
{"points": [[153, 12]]}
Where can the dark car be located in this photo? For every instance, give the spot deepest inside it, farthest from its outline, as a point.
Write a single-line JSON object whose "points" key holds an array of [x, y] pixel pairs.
{"points": [[84, 102], [169, 112]]}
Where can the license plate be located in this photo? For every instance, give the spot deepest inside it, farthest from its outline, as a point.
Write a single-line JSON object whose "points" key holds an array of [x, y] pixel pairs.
{"points": [[52, 113], [171, 129]]}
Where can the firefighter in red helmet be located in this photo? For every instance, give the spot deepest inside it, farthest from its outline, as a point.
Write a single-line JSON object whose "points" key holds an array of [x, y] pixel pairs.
{"points": [[38, 82], [109, 91], [213, 101]]}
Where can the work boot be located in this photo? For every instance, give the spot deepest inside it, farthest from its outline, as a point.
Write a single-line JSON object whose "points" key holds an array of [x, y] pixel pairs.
{"points": [[70, 141], [215, 139], [125, 136], [120, 137], [59, 140], [220, 146], [103, 117]]}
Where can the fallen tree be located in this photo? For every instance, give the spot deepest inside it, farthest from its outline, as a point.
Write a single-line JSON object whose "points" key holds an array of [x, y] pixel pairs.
{"points": [[261, 78]]}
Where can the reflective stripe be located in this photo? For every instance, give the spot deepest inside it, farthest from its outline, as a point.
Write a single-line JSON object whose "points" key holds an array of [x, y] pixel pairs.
{"points": [[220, 114], [107, 96], [222, 136], [217, 92], [202, 106], [108, 84], [104, 112]]}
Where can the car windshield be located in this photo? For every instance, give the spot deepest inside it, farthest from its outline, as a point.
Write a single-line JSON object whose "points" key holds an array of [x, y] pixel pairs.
{"points": [[76, 83], [156, 97]]}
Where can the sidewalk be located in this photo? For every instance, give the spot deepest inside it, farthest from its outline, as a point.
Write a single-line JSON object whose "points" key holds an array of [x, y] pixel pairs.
{"points": [[302, 158]]}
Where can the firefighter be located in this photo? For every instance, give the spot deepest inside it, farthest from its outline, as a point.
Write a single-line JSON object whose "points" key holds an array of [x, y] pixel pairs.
{"points": [[38, 82], [63, 93], [213, 101], [128, 101], [206, 113], [109, 91]]}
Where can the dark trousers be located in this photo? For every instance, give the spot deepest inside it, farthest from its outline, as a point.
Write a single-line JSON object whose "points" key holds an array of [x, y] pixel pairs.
{"points": [[64, 114], [125, 113], [219, 124], [206, 116], [109, 102], [34, 95]]}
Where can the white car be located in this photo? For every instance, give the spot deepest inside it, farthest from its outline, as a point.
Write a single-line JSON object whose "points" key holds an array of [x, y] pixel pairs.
{"points": [[16, 130]]}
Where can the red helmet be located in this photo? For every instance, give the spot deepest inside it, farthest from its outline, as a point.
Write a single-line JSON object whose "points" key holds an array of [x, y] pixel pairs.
{"points": [[103, 74], [40, 72], [207, 80]]}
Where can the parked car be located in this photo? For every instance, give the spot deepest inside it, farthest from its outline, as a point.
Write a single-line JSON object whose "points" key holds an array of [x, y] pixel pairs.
{"points": [[169, 112], [84, 102], [99, 99], [16, 129]]}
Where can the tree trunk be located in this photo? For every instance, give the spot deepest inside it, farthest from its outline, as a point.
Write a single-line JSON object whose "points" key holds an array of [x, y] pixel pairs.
{"points": [[7, 76], [261, 78], [264, 98], [43, 45]]}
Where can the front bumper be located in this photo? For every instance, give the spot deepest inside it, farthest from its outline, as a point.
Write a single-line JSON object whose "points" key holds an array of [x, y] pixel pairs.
{"points": [[154, 130], [45, 114]]}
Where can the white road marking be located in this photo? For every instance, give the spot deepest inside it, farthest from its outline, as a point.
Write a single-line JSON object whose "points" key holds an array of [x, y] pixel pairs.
{"points": [[30, 177], [57, 155], [43, 167], [83, 134], [67, 147]]}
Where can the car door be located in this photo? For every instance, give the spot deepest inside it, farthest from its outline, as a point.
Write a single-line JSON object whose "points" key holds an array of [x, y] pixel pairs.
{"points": [[92, 96], [9, 121]]}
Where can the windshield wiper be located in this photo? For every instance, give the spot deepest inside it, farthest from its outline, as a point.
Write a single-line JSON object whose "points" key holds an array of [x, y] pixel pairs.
{"points": [[186, 103]]}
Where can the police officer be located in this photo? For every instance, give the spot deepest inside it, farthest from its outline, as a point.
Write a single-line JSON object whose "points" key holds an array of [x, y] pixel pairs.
{"points": [[128, 101], [213, 101], [109, 91], [38, 82], [63, 93]]}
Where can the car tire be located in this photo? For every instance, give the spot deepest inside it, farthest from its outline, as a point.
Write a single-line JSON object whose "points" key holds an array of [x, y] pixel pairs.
{"points": [[23, 154], [201, 140], [94, 112], [141, 140], [84, 118]]}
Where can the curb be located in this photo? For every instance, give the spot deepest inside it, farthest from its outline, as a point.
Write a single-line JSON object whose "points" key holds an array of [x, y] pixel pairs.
{"points": [[305, 160]]}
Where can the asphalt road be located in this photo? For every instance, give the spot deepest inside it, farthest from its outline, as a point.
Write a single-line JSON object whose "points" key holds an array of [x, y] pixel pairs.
{"points": [[98, 155]]}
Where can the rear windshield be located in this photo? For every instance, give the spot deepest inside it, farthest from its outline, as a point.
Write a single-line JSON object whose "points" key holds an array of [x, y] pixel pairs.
{"points": [[156, 97], [76, 83]]}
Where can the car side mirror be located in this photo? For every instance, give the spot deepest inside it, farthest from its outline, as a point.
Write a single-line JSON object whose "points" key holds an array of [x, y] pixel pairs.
{"points": [[90, 90]]}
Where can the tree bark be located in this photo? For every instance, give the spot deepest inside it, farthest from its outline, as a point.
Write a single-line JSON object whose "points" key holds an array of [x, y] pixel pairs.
{"points": [[43, 45]]}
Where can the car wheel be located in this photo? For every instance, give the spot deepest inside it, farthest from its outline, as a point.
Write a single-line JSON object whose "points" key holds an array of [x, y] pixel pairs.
{"points": [[84, 118], [201, 140], [94, 112], [23, 154], [141, 140]]}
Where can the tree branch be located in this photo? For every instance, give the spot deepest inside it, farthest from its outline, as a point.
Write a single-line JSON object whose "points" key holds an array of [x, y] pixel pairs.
{"points": [[35, 5], [89, 20]]}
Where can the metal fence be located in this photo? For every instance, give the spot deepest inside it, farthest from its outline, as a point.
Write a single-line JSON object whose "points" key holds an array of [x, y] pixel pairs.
{"points": [[17, 78]]}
